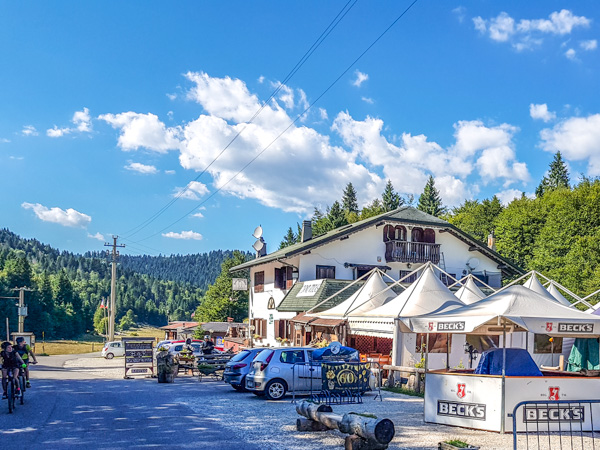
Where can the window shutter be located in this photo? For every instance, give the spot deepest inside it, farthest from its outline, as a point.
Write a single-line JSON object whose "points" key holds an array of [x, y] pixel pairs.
{"points": [[279, 274]]}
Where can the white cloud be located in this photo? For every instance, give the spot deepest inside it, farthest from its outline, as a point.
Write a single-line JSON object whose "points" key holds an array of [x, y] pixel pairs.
{"points": [[171, 96], [198, 215], [141, 168], [460, 12], [261, 79], [29, 130], [522, 35], [194, 191], [571, 54], [4, 141], [170, 172], [82, 120], [67, 218], [186, 235], [589, 45], [508, 195], [323, 114], [540, 111], [578, 139], [367, 100], [97, 236], [360, 78], [57, 132], [142, 130]]}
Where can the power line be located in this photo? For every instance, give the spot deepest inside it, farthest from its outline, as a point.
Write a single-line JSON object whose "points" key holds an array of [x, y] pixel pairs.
{"points": [[332, 25], [290, 125]]}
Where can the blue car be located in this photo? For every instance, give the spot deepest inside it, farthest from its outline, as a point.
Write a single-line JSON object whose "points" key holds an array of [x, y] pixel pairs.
{"points": [[238, 367]]}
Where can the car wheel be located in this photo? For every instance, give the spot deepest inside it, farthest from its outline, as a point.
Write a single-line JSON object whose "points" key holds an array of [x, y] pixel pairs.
{"points": [[275, 389], [109, 356]]}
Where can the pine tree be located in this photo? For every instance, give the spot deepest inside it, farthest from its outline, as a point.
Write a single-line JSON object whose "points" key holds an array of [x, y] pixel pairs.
{"points": [[558, 176], [336, 216], [289, 239], [430, 200], [391, 199], [349, 202]]}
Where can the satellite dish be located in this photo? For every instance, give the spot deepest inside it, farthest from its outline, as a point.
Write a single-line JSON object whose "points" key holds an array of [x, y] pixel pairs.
{"points": [[258, 245], [472, 263], [258, 231]]}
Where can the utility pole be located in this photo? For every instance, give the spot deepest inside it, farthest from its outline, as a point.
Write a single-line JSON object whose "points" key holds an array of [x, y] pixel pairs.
{"points": [[22, 311], [113, 286]]}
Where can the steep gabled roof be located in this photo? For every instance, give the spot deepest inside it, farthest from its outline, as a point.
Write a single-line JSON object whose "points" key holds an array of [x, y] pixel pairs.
{"points": [[402, 215], [293, 303]]}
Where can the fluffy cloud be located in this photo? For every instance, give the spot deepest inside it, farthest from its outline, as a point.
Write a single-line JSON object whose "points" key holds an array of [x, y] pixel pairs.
{"points": [[198, 215], [360, 78], [81, 120], [571, 54], [504, 28], [141, 168], [186, 235], [67, 218], [367, 100], [97, 236], [508, 195], [578, 139], [142, 131], [29, 130], [193, 191], [541, 112], [589, 45]]}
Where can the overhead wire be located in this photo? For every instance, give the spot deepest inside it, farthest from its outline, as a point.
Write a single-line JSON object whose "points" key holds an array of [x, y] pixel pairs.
{"points": [[290, 125], [332, 25]]}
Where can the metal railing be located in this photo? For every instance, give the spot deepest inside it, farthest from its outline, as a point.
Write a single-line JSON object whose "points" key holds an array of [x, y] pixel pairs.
{"points": [[412, 252], [315, 386], [556, 424]]}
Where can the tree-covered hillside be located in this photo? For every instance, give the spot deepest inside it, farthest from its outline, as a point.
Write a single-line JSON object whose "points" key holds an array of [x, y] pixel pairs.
{"points": [[67, 288]]}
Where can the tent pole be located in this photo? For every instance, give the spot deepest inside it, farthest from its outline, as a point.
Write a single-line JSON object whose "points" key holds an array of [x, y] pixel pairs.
{"points": [[503, 405], [447, 351]]}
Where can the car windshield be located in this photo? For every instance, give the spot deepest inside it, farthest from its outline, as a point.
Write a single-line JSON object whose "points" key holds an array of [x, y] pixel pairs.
{"points": [[240, 356], [262, 356]]}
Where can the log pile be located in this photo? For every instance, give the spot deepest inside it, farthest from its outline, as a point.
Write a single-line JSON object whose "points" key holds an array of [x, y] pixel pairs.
{"points": [[366, 433]]}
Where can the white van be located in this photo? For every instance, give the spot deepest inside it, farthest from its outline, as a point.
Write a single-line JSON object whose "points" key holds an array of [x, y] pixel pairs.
{"points": [[112, 349]]}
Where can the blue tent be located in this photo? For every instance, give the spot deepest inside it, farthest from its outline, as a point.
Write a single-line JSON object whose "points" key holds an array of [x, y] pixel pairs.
{"points": [[518, 363]]}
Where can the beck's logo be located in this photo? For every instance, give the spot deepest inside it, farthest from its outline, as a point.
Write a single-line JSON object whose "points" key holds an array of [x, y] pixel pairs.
{"points": [[575, 327], [462, 390], [548, 326], [553, 393], [430, 326]]}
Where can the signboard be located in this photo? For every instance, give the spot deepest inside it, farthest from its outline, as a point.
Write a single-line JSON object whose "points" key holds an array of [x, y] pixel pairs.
{"points": [[239, 284], [339, 377], [309, 288], [139, 358]]}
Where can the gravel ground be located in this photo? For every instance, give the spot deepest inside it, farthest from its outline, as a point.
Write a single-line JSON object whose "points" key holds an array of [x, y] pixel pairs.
{"points": [[272, 424]]}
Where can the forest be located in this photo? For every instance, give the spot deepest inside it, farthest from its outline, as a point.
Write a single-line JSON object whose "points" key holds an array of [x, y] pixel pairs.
{"points": [[67, 289]]}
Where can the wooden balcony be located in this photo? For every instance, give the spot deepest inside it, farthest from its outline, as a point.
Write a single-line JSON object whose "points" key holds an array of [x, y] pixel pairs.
{"points": [[412, 252]]}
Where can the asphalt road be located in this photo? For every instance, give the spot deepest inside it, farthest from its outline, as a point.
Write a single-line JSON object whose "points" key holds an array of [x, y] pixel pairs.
{"points": [[70, 408]]}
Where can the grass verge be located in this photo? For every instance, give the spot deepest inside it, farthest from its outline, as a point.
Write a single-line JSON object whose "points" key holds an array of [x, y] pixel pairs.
{"points": [[405, 391]]}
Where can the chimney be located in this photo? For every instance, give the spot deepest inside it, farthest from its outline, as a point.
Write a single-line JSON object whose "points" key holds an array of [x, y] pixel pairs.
{"points": [[306, 230], [491, 241]]}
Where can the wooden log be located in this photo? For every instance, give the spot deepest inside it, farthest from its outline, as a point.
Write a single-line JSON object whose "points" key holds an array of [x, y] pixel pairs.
{"points": [[310, 425], [377, 433], [166, 367]]}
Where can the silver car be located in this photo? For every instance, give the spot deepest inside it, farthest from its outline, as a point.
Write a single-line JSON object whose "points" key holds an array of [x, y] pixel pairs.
{"points": [[278, 371]]}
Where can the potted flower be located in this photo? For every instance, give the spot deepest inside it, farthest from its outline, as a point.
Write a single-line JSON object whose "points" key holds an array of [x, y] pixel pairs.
{"points": [[285, 341], [257, 337]]}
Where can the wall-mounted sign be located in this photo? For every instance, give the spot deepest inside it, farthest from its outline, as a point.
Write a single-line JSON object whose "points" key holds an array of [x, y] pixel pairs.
{"points": [[139, 359], [239, 284], [309, 288]]}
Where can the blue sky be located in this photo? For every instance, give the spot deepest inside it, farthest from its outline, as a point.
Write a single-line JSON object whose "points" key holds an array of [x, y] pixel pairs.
{"points": [[109, 109]]}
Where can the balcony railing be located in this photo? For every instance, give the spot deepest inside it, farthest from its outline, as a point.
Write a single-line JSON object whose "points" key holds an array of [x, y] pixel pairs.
{"points": [[412, 252]]}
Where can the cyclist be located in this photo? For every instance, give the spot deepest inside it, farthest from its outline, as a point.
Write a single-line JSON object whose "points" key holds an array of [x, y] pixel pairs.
{"points": [[24, 350], [10, 360]]}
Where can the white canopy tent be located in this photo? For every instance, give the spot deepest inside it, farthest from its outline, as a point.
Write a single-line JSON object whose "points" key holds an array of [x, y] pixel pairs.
{"points": [[426, 295], [469, 292], [372, 294], [534, 284], [516, 308]]}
